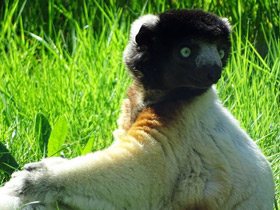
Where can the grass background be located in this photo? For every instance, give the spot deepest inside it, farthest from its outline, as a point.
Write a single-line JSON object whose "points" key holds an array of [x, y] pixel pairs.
{"points": [[62, 79]]}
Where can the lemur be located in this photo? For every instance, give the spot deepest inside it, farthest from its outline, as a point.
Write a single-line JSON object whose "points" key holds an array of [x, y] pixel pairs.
{"points": [[176, 148]]}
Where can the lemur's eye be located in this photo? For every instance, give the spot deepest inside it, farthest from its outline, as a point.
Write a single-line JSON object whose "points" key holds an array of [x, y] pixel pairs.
{"points": [[222, 53], [185, 52]]}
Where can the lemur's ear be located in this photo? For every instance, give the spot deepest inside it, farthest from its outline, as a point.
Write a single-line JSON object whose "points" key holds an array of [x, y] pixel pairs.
{"points": [[227, 24], [145, 36]]}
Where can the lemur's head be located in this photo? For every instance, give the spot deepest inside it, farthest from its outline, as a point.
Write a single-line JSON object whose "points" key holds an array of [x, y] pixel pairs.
{"points": [[178, 48]]}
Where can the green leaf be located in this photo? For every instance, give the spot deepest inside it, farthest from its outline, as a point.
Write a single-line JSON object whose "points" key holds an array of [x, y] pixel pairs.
{"points": [[8, 163], [88, 147], [42, 131], [57, 137]]}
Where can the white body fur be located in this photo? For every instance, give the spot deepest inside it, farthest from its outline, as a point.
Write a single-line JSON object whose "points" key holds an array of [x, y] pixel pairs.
{"points": [[203, 157]]}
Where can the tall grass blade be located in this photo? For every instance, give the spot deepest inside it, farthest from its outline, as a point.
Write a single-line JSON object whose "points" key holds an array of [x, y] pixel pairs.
{"points": [[8, 163], [88, 147], [42, 132], [57, 138]]}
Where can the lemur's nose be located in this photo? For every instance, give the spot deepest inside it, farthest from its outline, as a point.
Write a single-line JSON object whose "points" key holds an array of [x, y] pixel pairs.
{"points": [[213, 73]]}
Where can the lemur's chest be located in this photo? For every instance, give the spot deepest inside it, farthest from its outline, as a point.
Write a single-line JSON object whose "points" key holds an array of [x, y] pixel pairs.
{"points": [[204, 176]]}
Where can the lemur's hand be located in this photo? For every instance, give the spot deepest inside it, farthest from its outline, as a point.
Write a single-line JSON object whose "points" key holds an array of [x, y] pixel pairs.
{"points": [[32, 185]]}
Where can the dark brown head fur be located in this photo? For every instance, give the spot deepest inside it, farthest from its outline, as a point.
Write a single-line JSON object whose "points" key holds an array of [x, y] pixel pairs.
{"points": [[179, 54]]}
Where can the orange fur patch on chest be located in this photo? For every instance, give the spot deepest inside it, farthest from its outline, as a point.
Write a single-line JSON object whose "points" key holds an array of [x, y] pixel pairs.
{"points": [[147, 121]]}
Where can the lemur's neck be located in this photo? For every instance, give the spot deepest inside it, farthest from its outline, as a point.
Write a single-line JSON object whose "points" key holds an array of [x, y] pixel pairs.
{"points": [[148, 97], [140, 98], [182, 94]]}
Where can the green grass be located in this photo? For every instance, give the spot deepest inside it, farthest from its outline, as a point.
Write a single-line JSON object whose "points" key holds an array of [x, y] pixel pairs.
{"points": [[63, 61]]}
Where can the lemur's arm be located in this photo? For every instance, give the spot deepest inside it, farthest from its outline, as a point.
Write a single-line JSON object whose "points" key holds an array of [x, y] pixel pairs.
{"points": [[106, 179]]}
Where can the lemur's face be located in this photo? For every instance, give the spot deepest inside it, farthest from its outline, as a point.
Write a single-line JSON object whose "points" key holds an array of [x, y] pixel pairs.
{"points": [[192, 63], [182, 48]]}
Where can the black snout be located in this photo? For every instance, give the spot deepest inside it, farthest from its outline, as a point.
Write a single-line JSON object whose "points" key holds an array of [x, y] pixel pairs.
{"points": [[213, 73]]}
